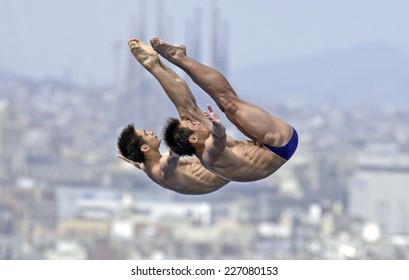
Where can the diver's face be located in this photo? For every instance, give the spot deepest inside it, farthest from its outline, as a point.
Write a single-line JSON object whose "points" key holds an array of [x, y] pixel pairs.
{"points": [[149, 137], [200, 131], [194, 126]]}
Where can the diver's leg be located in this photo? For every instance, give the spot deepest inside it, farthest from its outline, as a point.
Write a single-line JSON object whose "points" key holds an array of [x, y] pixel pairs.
{"points": [[175, 87], [250, 119]]}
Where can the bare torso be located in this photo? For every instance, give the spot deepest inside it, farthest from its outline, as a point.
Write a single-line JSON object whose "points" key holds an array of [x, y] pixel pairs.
{"points": [[189, 178], [243, 161]]}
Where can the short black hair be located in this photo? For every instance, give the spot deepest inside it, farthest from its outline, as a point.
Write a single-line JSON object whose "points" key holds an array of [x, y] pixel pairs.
{"points": [[177, 137], [129, 144]]}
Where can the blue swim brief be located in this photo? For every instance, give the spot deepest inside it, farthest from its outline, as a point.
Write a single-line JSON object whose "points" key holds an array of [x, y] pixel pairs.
{"points": [[286, 151]]}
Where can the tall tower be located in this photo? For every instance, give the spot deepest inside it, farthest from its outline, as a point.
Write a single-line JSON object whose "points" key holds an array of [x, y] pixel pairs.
{"points": [[142, 99], [130, 99], [219, 39], [116, 69], [138, 27], [194, 35], [164, 22]]}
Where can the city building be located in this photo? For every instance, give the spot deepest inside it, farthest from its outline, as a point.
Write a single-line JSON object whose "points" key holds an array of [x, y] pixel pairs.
{"points": [[12, 145], [379, 191]]}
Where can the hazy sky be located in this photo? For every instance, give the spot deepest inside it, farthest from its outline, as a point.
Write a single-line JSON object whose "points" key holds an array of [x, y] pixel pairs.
{"points": [[52, 38]]}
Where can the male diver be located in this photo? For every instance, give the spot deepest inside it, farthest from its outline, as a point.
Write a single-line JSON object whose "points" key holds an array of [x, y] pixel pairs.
{"points": [[141, 148], [273, 141]]}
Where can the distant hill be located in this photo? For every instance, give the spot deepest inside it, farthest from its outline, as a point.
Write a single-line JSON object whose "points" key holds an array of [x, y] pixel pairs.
{"points": [[364, 75]]}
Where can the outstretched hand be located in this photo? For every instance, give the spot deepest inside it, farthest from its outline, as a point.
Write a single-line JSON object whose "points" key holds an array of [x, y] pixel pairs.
{"points": [[218, 128], [212, 116], [136, 164]]}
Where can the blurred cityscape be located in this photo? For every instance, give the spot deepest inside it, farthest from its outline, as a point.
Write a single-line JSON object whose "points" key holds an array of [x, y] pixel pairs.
{"points": [[65, 195]]}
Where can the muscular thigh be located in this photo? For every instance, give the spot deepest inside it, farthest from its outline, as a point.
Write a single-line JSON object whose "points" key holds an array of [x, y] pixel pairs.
{"points": [[258, 124]]}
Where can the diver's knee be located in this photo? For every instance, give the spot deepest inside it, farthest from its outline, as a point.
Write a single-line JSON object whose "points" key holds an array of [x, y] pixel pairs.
{"points": [[228, 105]]}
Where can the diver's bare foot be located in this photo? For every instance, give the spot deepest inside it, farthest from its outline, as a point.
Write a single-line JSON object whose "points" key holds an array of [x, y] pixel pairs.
{"points": [[145, 54], [168, 51]]}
